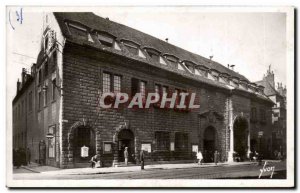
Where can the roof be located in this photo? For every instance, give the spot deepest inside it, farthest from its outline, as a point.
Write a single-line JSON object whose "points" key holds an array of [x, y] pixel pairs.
{"points": [[269, 90], [124, 32]]}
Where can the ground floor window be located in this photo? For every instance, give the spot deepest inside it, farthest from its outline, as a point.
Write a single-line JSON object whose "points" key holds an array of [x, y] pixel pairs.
{"points": [[162, 140], [181, 141]]}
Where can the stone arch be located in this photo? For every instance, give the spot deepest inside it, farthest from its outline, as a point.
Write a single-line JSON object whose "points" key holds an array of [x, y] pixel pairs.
{"points": [[241, 136], [70, 137], [210, 139]]}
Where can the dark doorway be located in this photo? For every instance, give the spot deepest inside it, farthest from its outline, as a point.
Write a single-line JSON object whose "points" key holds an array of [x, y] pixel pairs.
{"points": [[83, 136], [240, 138], [209, 144], [126, 139]]}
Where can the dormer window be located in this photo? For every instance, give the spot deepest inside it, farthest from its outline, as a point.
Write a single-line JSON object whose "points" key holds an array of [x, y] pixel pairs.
{"points": [[154, 54], [172, 60], [131, 47], [215, 74], [78, 30], [106, 40], [189, 66]]}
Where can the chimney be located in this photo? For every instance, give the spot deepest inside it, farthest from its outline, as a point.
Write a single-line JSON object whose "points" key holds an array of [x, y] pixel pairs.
{"points": [[18, 86], [33, 69], [23, 75]]}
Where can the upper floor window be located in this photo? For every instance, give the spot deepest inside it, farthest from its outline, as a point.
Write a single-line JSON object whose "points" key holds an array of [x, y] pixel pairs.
{"points": [[253, 114], [111, 83], [39, 76], [138, 86], [106, 83], [45, 97], [54, 89], [143, 89], [117, 84], [39, 100]]}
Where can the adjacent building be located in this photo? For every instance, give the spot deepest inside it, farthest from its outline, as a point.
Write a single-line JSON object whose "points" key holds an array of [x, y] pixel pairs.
{"points": [[83, 56], [278, 96]]}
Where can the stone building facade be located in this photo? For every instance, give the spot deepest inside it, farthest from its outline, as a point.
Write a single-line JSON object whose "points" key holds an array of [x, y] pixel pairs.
{"points": [[89, 55]]}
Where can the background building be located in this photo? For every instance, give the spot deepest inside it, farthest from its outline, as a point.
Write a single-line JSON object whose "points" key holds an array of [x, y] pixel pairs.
{"points": [[83, 55], [278, 96]]}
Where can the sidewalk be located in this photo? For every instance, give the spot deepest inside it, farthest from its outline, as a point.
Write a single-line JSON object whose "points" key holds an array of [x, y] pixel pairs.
{"points": [[105, 170]]}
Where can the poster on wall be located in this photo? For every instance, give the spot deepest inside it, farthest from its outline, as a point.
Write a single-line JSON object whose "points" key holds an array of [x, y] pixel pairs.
{"points": [[146, 147], [84, 151], [172, 146], [107, 148]]}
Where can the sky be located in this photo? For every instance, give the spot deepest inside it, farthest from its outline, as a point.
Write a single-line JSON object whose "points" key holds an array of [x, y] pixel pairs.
{"points": [[250, 41]]}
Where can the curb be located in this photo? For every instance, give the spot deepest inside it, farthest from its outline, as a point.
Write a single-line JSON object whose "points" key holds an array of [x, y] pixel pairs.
{"points": [[30, 169]]}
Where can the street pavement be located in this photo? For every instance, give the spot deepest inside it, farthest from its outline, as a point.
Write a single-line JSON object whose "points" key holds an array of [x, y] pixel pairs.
{"points": [[160, 171]]}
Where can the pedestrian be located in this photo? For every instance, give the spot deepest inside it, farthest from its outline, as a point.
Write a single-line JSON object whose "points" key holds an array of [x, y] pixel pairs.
{"points": [[279, 155], [216, 157], [94, 161], [23, 156], [142, 159], [199, 157], [126, 155], [28, 155], [18, 158], [42, 152]]}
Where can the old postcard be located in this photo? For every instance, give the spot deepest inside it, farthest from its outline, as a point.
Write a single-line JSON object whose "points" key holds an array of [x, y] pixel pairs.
{"points": [[166, 96]]}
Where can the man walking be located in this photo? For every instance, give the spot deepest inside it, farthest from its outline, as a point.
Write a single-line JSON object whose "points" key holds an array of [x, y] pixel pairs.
{"points": [[126, 155], [28, 156], [142, 159]]}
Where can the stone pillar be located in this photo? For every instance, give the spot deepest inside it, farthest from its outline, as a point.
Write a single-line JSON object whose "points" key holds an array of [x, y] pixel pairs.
{"points": [[136, 150], [115, 150], [231, 137], [115, 154], [248, 144]]}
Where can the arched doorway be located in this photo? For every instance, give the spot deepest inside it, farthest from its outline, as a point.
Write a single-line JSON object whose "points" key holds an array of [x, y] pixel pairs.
{"points": [[209, 144], [240, 137], [126, 139], [83, 136]]}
